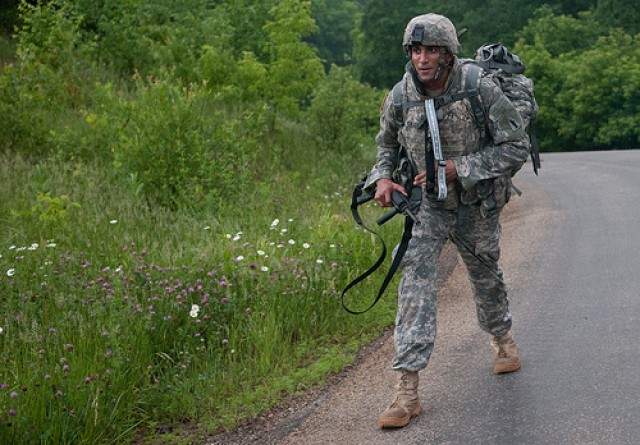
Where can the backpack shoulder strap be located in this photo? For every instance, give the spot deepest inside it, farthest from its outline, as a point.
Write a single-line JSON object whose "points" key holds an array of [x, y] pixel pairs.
{"points": [[396, 97], [471, 87], [400, 103]]}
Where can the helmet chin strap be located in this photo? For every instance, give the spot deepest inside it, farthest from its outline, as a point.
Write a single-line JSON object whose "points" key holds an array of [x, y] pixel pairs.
{"points": [[441, 64]]}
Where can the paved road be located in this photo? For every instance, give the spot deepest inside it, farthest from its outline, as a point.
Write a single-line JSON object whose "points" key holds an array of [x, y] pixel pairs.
{"points": [[570, 254]]}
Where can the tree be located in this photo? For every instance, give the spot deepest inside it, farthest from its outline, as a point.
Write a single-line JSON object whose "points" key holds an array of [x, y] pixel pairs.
{"points": [[335, 19], [294, 67], [601, 94], [586, 82], [378, 40], [618, 14], [494, 21]]}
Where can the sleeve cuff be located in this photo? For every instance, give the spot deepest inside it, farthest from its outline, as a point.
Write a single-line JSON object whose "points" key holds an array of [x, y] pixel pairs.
{"points": [[464, 172], [373, 177]]}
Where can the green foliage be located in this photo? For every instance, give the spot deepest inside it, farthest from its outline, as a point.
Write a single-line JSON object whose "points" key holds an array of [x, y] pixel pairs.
{"points": [[618, 14], [150, 37], [494, 21], [186, 152], [572, 64], [343, 112], [378, 40], [35, 82], [23, 111], [50, 209], [335, 19], [561, 34], [600, 100], [294, 67], [49, 33], [236, 82], [246, 20]]}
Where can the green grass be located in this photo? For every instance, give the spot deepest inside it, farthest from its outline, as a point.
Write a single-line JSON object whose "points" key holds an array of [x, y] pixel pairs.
{"points": [[170, 254], [100, 339]]}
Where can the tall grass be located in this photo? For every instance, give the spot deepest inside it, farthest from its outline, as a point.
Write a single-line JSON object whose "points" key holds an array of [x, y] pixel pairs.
{"points": [[172, 250], [116, 317]]}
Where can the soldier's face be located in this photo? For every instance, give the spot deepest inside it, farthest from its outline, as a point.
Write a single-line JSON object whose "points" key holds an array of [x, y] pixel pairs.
{"points": [[425, 60]]}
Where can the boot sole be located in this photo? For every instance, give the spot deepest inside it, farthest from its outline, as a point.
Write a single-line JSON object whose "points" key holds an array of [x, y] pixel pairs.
{"points": [[503, 369], [398, 422]]}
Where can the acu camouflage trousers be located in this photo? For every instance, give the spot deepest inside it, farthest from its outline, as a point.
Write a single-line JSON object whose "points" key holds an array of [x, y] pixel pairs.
{"points": [[477, 239]]}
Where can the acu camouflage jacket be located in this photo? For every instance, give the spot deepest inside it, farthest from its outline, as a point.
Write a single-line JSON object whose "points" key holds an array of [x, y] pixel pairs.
{"points": [[480, 161]]}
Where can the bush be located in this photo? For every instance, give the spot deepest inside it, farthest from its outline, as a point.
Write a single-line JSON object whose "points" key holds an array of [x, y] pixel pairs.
{"points": [[183, 149], [343, 113]]}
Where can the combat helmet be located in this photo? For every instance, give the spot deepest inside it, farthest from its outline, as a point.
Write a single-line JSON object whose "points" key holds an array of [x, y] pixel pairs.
{"points": [[431, 30]]}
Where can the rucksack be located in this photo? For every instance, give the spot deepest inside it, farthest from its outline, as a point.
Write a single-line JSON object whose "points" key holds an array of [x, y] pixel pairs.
{"points": [[495, 61]]}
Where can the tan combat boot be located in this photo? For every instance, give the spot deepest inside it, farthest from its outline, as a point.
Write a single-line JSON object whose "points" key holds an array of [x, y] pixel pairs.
{"points": [[507, 358], [406, 404]]}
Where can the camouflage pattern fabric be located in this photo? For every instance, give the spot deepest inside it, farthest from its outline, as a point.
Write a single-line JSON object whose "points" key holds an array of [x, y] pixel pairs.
{"points": [[519, 89], [415, 329], [438, 31], [470, 214]]}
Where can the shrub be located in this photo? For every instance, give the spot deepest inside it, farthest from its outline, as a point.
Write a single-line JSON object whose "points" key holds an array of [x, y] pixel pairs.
{"points": [[185, 150], [343, 113]]}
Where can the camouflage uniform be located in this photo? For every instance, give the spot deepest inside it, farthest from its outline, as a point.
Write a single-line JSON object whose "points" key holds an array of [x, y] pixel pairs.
{"points": [[470, 214]]}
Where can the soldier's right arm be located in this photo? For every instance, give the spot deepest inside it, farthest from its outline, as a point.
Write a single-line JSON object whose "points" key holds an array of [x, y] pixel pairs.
{"points": [[388, 145]]}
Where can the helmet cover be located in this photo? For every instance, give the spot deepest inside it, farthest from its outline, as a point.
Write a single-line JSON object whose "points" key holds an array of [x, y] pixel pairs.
{"points": [[431, 30]]}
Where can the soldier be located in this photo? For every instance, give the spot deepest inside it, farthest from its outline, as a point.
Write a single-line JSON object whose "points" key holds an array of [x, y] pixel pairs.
{"points": [[478, 163]]}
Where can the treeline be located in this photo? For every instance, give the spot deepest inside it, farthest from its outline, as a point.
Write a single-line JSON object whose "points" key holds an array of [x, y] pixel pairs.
{"points": [[200, 84]]}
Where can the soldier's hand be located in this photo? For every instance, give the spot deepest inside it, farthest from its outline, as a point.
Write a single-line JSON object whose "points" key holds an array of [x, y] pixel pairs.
{"points": [[384, 187], [450, 171], [421, 178]]}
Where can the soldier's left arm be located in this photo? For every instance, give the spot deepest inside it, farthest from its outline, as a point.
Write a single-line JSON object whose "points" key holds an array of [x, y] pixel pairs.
{"points": [[509, 146]]}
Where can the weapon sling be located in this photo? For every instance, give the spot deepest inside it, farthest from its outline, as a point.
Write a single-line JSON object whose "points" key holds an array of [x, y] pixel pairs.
{"points": [[357, 199]]}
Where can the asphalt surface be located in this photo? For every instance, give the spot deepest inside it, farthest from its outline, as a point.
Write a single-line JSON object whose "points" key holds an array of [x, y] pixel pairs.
{"points": [[570, 250]]}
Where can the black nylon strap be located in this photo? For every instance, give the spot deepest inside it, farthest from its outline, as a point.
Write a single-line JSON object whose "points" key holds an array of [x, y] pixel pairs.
{"points": [[402, 248], [430, 161], [357, 199]]}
